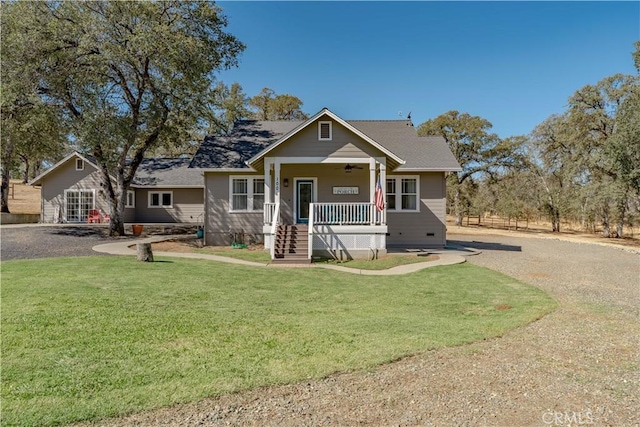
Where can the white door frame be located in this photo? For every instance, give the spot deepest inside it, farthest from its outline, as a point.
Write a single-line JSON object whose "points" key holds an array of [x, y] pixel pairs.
{"points": [[314, 194]]}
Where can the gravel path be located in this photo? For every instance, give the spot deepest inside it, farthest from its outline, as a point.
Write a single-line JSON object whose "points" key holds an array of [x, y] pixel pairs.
{"points": [[577, 366], [50, 241]]}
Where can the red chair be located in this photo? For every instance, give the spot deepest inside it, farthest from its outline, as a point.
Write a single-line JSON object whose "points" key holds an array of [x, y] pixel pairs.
{"points": [[106, 218], [93, 217]]}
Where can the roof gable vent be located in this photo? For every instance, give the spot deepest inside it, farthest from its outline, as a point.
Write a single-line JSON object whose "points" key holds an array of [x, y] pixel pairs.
{"points": [[325, 131]]}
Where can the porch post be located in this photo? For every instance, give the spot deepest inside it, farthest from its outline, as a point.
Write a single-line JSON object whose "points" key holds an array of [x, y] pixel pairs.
{"points": [[372, 191], [383, 183], [276, 182], [267, 180]]}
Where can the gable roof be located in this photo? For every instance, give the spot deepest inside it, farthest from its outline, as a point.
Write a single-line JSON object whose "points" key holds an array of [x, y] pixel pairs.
{"points": [[321, 113], [87, 159], [251, 140], [151, 172]]}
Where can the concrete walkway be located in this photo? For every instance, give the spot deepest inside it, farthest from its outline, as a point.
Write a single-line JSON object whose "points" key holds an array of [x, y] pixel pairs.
{"points": [[447, 256]]}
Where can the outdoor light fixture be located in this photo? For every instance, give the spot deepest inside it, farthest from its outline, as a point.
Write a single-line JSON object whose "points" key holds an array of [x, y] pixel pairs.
{"points": [[285, 182]]}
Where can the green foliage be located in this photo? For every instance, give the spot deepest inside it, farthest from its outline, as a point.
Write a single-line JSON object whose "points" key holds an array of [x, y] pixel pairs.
{"points": [[477, 150], [269, 106], [582, 165], [79, 342], [128, 76], [31, 129]]}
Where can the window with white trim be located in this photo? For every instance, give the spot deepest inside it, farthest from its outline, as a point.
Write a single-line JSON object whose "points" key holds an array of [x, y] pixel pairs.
{"points": [[131, 199], [79, 164], [403, 193], [246, 194], [325, 131], [160, 199]]}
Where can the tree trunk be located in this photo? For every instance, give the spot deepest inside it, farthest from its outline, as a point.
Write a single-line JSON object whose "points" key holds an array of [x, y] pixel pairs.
{"points": [[606, 227], [4, 203], [621, 214], [456, 206], [116, 225], [555, 219], [144, 252], [6, 176], [25, 173]]}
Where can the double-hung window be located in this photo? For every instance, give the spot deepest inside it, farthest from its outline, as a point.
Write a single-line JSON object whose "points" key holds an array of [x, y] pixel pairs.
{"points": [[131, 199], [246, 194], [403, 193], [160, 199]]}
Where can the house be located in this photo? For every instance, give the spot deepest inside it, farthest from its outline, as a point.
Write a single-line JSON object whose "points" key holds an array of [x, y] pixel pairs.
{"points": [[164, 191], [308, 188]]}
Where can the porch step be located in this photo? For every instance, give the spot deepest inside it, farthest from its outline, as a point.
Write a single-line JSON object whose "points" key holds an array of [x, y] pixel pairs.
{"points": [[292, 244]]}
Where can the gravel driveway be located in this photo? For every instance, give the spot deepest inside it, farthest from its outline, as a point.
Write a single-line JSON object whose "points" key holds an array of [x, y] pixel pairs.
{"points": [[577, 366], [25, 242]]}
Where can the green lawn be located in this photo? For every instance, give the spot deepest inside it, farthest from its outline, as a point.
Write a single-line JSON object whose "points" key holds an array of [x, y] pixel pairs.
{"points": [[92, 337]]}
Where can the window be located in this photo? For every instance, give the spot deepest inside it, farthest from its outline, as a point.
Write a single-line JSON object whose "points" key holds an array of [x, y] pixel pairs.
{"points": [[324, 131], [391, 194], [160, 199], [246, 194], [131, 199], [402, 193], [79, 164]]}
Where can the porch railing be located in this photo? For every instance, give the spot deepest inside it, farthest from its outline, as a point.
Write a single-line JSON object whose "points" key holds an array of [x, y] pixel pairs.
{"points": [[274, 227], [356, 213], [269, 213]]}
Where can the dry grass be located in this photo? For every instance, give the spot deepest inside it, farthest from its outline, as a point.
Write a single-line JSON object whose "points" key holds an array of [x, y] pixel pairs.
{"points": [[25, 200], [542, 228]]}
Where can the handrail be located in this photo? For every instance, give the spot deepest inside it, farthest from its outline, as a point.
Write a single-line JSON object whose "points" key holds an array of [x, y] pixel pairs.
{"points": [[274, 229], [345, 213]]}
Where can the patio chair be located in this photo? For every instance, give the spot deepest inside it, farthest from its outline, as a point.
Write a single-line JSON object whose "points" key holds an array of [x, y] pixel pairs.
{"points": [[105, 217], [93, 217]]}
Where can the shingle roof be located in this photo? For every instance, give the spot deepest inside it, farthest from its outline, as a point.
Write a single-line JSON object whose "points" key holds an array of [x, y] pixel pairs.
{"points": [[167, 173], [247, 139], [250, 137], [400, 137]]}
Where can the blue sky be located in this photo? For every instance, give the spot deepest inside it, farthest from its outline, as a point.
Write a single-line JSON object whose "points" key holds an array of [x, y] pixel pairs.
{"points": [[512, 63]]}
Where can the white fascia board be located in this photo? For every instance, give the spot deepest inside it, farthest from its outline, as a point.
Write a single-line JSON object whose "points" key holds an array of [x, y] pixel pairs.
{"points": [[165, 186], [402, 170], [37, 179], [228, 170], [313, 119]]}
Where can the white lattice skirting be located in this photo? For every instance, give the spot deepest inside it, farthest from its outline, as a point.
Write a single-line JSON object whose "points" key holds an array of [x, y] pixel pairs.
{"points": [[335, 242]]}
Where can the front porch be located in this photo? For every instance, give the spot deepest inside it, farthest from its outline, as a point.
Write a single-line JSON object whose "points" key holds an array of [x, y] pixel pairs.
{"points": [[340, 230]]}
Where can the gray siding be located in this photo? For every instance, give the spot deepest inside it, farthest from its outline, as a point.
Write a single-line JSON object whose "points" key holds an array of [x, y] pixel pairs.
{"points": [[329, 176], [219, 222], [344, 143], [66, 177], [188, 206], [410, 229]]}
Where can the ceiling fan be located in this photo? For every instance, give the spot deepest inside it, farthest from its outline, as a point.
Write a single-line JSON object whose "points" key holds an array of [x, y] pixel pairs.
{"points": [[348, 167]]}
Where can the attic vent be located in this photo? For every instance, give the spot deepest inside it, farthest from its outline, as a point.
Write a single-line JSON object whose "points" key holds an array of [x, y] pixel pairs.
{"points": [[79, 164], [324, 131]]}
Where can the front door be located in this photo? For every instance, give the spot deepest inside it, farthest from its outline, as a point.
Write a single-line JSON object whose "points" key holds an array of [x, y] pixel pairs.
{"points": [[304, 193]]}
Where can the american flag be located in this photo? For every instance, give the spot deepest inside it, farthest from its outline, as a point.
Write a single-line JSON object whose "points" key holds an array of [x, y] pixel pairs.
{"points": [[379, 196]]}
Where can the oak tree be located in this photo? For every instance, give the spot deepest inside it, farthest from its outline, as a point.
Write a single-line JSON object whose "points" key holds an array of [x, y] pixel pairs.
{"points": [[128, 76]]}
